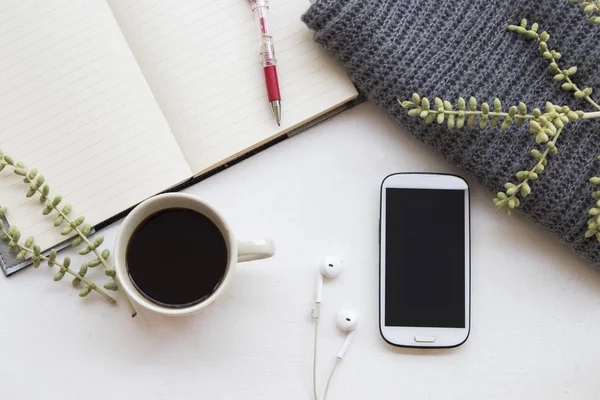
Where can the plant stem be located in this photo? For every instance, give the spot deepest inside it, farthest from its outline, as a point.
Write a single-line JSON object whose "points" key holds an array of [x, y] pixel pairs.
{"points": [[491, 113], [67, 269], [575, 87], [587, 115], [85, 240], [96, 253], [591, 115], [541, 160]]}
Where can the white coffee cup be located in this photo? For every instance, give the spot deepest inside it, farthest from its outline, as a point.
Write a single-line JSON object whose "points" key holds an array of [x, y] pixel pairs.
{"points": [[237, 250]]}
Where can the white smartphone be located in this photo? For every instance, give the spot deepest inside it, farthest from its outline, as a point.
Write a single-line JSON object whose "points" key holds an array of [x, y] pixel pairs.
{"points": [[424, 260]]}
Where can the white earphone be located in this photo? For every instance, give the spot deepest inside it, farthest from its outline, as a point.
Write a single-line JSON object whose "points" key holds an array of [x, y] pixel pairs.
{"points": [[346, 319], [330, 268]]}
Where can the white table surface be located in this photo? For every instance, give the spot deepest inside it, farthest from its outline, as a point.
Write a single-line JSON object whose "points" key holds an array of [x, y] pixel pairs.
{"points": [[535, 305]]}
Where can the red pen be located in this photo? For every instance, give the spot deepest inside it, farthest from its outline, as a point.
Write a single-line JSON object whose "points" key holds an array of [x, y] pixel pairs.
{"points": [[267, 55]]}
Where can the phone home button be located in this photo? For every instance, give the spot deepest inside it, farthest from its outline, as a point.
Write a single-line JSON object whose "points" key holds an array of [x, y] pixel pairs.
{"points": [[425, 339]]}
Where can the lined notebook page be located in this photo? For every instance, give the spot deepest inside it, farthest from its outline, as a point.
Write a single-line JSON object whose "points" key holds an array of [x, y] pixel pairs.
{"points": [[201, 61], [74, 104]]}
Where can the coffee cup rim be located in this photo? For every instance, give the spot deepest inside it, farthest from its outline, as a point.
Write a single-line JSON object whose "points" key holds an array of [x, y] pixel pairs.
{"points": [[150, 207]]}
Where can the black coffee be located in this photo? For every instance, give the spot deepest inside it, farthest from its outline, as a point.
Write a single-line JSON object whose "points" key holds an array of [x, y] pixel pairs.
{"points": [[177, 257]]}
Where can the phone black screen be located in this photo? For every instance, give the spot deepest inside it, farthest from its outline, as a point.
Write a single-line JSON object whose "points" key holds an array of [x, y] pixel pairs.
{"points": [[425, 258]]}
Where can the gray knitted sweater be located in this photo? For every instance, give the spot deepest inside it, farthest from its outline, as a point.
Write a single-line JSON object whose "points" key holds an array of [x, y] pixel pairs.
{"points": [[450, 48]]}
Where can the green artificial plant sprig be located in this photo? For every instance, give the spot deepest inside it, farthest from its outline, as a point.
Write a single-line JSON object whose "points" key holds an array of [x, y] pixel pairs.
{"points": [[546, 126], [589, 7], [553, 57], [13, 236], [593, 224], [37, 185]]}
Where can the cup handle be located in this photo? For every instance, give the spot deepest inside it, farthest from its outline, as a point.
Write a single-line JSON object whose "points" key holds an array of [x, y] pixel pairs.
{"points": [[255, 249]]}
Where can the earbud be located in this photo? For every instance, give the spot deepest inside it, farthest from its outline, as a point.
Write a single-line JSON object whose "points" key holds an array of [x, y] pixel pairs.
{"points": [[330, 268], [346, 321]]}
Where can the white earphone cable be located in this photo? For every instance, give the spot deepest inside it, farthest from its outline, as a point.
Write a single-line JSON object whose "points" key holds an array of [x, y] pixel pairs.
{"points": [[314, 370], [337, 361]]}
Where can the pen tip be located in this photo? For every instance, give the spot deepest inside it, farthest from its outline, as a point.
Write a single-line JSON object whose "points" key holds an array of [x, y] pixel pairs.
{"points": [[278, 123]]}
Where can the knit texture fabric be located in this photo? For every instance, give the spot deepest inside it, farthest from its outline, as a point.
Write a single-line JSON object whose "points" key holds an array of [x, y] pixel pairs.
{"points": [[447, 49]]}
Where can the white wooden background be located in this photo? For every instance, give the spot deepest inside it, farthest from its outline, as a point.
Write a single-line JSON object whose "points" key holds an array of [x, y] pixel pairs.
{"points": [[535, 308]]}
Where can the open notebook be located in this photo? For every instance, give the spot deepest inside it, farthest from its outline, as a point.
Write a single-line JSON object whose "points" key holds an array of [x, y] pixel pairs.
{"points": [[118, 100]]}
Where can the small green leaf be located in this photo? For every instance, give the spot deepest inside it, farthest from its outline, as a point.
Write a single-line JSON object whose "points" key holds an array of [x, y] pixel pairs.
{"points": [[110, 286], [3, 211], [83, 270], [76, 242], [567, 86], [52, 257], [66, 230], [32, 174], [85, 250], [522, 175], [416, 99], [67, 209], [573, 116], [414, 112], [59, 275], [441, 117], [67, 262], [450, 121], [512, 191], [40, 181], [76, 281], [85, 291], [590, 233], [45, 190], [56, 201], [534, 127], [106, 254], [79, 220], [37, 250], [595, 180], [58, 221], [541, 137], [579, 94], [594, 211], [21, 256], [110, 272], [20, 171], [94, 263], [544, 36], [98, 242], [525, 189], [9, 160]]}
